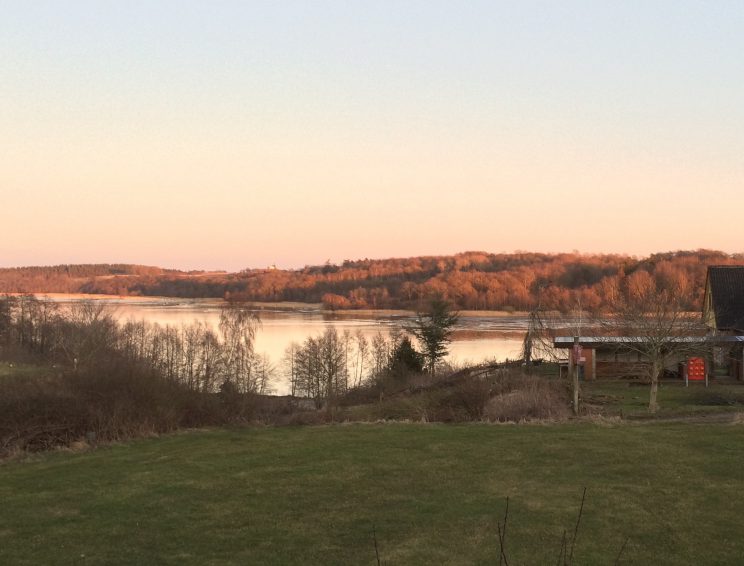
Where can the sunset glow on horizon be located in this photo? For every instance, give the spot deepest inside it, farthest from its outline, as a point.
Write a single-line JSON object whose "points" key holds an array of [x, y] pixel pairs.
{"points": [[243, 134]]}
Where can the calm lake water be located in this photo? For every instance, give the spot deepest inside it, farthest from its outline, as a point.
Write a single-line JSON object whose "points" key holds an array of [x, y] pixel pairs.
{"points": [[476, 338]]}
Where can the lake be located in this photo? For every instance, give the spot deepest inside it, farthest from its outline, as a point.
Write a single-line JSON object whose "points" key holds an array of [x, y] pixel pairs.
{"points": [[475, 339]]}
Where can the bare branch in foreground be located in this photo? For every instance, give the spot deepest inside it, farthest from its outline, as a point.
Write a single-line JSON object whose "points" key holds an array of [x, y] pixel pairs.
{"points": [[576, 528], [502, 537], [622, 548], [377, 552]]}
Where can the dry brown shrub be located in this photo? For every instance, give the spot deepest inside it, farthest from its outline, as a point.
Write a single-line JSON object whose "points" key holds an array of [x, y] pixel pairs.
{"points": [[463, 401], [57, 411], [521, 398]]}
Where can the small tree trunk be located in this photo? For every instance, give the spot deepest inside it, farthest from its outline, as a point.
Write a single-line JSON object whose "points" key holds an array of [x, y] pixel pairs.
{"points": [[653, 406], [330, 399]]}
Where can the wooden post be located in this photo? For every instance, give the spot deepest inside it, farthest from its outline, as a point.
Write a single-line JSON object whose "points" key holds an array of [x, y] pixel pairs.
{"points": [[569, 375], [594, 363], [575, 376], [570, 364]]}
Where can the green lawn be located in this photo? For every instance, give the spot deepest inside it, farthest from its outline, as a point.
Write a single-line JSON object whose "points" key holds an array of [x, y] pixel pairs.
{"points": [[434, 493], [630, 399]]}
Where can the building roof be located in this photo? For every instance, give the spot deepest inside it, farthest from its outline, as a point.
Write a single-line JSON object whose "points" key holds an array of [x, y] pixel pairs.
{"points": [[616, 341], [726, 287]]}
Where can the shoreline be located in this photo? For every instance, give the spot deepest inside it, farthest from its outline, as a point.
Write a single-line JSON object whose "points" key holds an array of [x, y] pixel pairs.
{"points": [[287, 306]]}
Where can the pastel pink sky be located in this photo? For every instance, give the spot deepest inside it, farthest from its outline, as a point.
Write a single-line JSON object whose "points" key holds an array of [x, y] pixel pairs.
{"points": [[184, 135]]}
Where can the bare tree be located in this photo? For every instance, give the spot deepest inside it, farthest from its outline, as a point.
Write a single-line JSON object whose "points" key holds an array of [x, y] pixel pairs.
{"points": [[210, 360], [346, 339], [380, 353], [191, 340], [7, 307], [87, 330], [320, 369], [542, 328], [362, 351], [86, 336], [332, 357], [238, 326], [653, 324], [263, 371], [538, 339], [290, 367]]}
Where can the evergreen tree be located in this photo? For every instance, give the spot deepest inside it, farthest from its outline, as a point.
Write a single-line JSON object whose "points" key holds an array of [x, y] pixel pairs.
{"points": [[404, 359], [433, 329]]}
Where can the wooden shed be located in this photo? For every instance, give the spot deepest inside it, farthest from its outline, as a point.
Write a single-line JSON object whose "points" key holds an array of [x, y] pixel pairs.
{"points": [[616, 357]]}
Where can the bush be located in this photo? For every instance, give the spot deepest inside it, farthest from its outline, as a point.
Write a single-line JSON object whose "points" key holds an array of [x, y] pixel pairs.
{"points": [[526, 398], [47, 412], [360, 395], [464, 396], [461, 402]]}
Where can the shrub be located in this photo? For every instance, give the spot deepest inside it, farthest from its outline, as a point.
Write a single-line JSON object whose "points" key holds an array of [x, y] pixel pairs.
{"points": [[460, 402], [360, 395], [526, 398], [46, 412]]}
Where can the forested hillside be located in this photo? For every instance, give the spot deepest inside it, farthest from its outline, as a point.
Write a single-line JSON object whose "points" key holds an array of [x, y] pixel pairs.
{"points": [[470, 280]]}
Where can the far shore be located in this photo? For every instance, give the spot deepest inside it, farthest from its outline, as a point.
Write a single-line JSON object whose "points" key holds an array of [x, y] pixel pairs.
{"points": [[260, 305]]}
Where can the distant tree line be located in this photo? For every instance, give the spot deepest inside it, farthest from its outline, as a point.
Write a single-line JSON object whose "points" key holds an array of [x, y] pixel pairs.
{"points": [[471, 280], [327, 367], [85, 337], [100, 379], [91, 379]]}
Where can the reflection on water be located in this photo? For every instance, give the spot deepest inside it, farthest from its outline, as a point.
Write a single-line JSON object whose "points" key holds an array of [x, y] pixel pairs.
{"points": [[475, 339]]}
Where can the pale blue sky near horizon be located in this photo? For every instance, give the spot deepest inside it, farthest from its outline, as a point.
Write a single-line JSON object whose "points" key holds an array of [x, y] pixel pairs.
{"points": [[234, 134]]}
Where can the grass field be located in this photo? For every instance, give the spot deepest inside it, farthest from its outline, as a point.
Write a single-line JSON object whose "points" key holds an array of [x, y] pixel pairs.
{"points": [[433, 492], [630, 399]]}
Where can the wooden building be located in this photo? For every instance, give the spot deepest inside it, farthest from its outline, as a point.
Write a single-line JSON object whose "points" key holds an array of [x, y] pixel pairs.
{"points": [[617, 357], [723, 313]]}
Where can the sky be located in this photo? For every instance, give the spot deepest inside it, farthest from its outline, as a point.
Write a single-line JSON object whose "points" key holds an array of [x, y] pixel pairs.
{"points": [[234, 134]]}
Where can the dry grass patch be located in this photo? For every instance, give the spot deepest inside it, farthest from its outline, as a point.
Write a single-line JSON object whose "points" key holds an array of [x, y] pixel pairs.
{"points": [[528, 398]]}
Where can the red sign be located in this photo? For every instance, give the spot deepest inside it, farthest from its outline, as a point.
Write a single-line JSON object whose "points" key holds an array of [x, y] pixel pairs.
{"points": [[696, 369]]}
